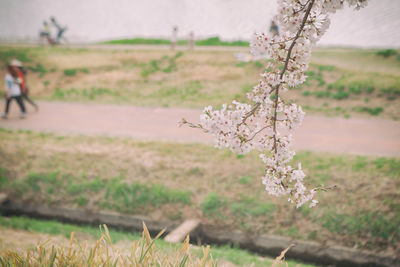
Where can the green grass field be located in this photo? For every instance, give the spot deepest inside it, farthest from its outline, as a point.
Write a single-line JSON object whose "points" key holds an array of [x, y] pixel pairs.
{"points": [[341, 82], [212, 41], [180, 181]]}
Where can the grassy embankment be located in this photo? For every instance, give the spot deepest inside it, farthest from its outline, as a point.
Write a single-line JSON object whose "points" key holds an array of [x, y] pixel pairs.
{"points": [[181, 181], [21, 235], [342, 82], [212, 41]]}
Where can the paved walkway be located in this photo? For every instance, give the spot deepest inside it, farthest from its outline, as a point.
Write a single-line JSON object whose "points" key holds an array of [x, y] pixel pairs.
{"points": [[355, 136]]}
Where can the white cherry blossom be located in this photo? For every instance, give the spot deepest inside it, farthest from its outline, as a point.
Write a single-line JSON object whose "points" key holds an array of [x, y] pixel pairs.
{"points": [[268, 125]]}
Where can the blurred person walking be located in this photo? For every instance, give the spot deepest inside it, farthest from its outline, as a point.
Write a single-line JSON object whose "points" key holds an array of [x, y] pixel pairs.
{"points": [[273, 29], [46, 33], [174, 37], [21, 71], [13, 91], [60, 31], [191, 41]]}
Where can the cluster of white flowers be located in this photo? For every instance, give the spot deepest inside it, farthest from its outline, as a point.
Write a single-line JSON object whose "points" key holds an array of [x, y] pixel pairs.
{"points": [[268, 125]]}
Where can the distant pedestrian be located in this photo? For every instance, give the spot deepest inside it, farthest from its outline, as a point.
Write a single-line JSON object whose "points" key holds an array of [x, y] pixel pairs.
{"points": [[191, 40], [13, 91], [273, 29], [60, 30], [46, 34], [174, 37], [22, 73]]}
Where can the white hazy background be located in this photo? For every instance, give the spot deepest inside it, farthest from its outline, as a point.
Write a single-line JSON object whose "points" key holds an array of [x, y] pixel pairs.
{"points": [[378, 25]]}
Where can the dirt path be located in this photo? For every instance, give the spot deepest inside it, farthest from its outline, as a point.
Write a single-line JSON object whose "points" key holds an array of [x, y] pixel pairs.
{"points": [[355, 136]]}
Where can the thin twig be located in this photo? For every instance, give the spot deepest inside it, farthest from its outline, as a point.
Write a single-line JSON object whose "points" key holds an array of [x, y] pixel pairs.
{"points": [[281, 42], [302, 7], [254, 109], [251, 112], [191, 125], [326, 188], [263, 128]]}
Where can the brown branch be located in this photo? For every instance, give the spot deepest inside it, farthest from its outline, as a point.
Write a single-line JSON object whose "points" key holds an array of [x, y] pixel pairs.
{"points": [[251, 112], [259, 131], [254, 109], [302, 7], [281, 42], [276, 88], [325, 188], [303, 23], [191, 125]]}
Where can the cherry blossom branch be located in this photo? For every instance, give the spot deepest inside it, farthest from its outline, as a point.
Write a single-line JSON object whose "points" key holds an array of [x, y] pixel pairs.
{"points": [[282, 42], [254, 109], [259, 131], [183, 121], [250, 113], [303, 6], [276, 89], [303, 23]]}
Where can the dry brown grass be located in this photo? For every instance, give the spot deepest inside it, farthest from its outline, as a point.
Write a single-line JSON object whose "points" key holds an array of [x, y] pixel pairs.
{"points": [[143, 252], [356, 60], [235, 181], [206, 77], [23, 248]]}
